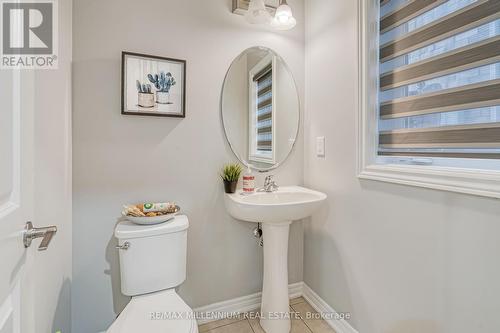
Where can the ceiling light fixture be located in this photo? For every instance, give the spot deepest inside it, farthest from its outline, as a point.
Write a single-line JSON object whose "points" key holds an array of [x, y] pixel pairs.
{"points": [[283, 19], [257, 13]]}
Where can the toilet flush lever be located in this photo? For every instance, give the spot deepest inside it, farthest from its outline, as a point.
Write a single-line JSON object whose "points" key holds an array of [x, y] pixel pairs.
{"points": [[125, 246], [31, 233]]}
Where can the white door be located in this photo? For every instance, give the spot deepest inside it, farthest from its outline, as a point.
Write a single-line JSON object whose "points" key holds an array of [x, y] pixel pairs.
{"points": [[35, 185], [17, 275]]}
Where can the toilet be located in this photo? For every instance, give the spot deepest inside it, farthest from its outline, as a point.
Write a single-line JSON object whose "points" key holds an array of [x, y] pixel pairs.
{"points": [[152, 265]]}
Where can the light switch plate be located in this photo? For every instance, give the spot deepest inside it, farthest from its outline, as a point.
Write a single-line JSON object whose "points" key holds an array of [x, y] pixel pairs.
{"points": [[320, 146]]}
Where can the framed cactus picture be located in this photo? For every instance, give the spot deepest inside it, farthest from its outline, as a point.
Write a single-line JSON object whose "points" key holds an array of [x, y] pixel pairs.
{"points": [[153, 86]]}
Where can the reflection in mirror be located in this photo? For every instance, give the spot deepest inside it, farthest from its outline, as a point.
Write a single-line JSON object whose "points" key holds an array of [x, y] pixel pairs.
{"points": [[260, 109]]}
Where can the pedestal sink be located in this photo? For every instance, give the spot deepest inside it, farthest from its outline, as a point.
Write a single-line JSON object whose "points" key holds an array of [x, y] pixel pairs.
{"points": [[276, 211]]}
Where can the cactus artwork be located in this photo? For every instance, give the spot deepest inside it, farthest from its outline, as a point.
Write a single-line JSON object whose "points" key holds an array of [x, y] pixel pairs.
{"points": [[153, 85], [146, 98], [163, 82], [143, 88]]}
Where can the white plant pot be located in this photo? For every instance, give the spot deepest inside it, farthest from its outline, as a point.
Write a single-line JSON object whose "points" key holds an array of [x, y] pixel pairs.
{"points": [[146, 100], [163, 97]]}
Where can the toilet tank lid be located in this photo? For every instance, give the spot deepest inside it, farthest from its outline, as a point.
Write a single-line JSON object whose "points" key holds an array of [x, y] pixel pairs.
{"points": [[127, 229]]}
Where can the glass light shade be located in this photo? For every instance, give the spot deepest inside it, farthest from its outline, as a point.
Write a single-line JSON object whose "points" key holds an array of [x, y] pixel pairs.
{"points": [[257, 12], [284, 20]]}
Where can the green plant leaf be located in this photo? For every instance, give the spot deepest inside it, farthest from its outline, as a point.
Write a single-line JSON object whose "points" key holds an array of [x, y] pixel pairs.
{"points": [[231, 172]]}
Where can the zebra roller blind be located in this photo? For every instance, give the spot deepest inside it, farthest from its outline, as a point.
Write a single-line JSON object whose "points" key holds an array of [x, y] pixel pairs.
{"points": [[264, 81], [440, 78]]}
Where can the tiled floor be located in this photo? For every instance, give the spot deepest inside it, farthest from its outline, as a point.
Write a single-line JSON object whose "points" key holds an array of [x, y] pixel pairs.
{"points": [[249, 324]]}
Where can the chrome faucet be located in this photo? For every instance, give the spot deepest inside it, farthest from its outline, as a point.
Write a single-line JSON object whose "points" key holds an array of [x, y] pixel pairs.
{"points": [[269, 185]]}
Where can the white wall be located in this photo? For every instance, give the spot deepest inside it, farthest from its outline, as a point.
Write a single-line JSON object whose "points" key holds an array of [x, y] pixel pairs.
{"points": [[400, 259], [123, 159], [52, 190]]}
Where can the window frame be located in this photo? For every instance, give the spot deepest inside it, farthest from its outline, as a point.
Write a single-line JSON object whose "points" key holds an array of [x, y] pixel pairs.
{"points": [[253, 154], [463, 180]]}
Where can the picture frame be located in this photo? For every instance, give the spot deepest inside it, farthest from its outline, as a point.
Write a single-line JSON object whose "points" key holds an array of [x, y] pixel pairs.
{"points": [[153, 85]]}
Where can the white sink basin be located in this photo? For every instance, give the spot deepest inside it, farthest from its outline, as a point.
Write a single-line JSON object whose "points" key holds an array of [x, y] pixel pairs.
{"points": [[287, 204], [276, 211]]}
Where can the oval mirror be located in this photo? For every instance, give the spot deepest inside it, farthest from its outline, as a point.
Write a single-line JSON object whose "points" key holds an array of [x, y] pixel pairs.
{"points": [[260, 109]]}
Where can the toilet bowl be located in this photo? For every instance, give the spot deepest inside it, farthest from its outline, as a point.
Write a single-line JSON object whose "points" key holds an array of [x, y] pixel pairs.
{"points": [[161, 312], [152, 265]]}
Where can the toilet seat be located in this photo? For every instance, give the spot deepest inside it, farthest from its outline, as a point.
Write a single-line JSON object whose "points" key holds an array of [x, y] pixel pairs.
{"points": [[160, 312]]}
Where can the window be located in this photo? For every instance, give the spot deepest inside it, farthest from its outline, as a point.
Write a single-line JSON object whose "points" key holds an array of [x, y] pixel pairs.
{"points": [[430, 110], [262, 140]]}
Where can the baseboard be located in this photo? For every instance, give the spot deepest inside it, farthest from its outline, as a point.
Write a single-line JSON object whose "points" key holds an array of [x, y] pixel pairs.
{"points": [[239, 305], [295, 290], [252, 302], [339, 325]]}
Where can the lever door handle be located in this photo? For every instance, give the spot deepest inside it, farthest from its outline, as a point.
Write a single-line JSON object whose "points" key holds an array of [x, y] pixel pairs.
{"points": [[31, 233]]}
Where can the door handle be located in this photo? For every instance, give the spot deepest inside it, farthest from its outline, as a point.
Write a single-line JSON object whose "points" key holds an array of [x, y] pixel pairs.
{"points": [[31, 233]]}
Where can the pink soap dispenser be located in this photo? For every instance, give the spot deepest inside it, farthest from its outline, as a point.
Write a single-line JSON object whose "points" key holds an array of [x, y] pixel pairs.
{"points": [[248, 181]]}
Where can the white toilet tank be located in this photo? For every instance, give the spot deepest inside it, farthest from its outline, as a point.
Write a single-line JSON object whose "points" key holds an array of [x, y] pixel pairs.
{"points": [[156, 255]]}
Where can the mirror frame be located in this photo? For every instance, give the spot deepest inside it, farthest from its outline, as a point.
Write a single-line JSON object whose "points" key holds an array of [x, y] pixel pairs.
{"points": [[297, 132]]}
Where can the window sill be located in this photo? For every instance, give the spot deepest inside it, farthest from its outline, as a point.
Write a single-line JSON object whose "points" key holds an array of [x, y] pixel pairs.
{"points": [[469, 181], [261, 159]]}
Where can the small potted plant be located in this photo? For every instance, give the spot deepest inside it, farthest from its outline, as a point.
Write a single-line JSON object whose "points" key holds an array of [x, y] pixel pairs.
{"points": [[230, 175], [146, 97], [162, 83]]}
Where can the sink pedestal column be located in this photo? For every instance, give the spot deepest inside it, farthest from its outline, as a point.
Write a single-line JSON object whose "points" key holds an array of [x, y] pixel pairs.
{"points": [[275, 302]]}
